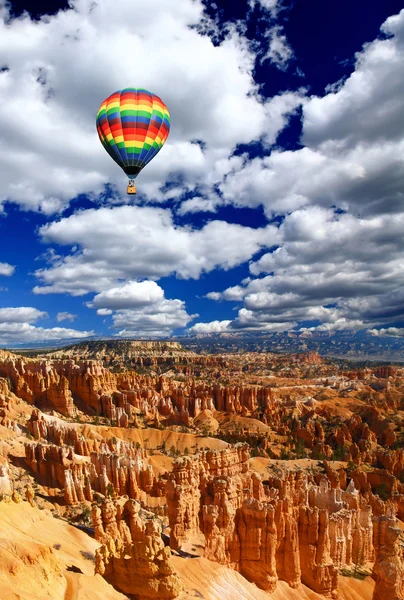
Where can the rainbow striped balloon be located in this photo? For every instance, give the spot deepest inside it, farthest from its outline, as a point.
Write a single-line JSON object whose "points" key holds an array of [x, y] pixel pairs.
{"points": [[133, 125]]}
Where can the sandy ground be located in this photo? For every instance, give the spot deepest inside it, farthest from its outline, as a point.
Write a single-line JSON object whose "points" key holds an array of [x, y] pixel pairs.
{"points": [[160, 463], [229, 422], [153, 438], [36, 551], [355, 589], [206, 419], [209, 581]]}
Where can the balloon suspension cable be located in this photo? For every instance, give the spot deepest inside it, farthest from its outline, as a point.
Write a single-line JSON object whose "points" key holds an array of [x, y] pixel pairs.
{"points": [[131, 187]]}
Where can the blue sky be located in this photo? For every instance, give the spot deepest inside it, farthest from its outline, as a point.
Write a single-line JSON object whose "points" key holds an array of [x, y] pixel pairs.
{"points": [[276, 204]]}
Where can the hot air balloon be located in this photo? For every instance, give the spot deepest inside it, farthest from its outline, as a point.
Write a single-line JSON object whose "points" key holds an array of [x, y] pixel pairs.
{"points": [[133, 125]]}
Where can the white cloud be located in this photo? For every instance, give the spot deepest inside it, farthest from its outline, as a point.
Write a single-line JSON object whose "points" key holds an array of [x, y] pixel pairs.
{"points": [[341, 324], [389, 331], [368, 106], [17, 333], [6, 269], [342, 269], [337, 242], [330, 267], [365, 179], [156, 320], [212, 327], [214, 295], [104, 312], [246, 321], [133, 294], [61, 67], [139, 308], [198, 204], [339, 270], [21, 314], [272, 6], [65, 316], [16, 327], [354, 143], [279, 51], [130, 242]]}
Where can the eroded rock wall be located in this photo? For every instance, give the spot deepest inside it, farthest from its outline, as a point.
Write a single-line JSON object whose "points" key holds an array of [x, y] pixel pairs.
{"points": [[133, 557], [289, 528]]}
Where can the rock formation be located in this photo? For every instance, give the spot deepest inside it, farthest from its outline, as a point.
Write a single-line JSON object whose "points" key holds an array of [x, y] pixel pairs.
{"points": [[5, 483], [388, 570], [113, 467], [54, 385], [133, 557], [38, 382], [189, 479], [288, 528]]}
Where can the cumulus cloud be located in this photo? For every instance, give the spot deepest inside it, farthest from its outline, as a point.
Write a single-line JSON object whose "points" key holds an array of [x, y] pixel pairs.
{"points": [[338, 261], [341, 324], [389, 331], [212, 327], [13, 333], [6, 269], [367, 107], [334, 262], [16, 327], [131, 242], [139, 308], [246, 321], [157, 319], [104, 312], [21, 314], [329, 267], [353, 143], [68, 63], [65, 316], [134, 294]]}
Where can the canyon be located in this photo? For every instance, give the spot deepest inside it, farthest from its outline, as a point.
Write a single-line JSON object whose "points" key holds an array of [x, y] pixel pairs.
{"points": [[281, 474]]}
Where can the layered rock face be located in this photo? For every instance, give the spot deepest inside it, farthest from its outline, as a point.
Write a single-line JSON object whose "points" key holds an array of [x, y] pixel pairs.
{"points": [[6, 404], [388, 570], [190, 478], [38, 382], [4, 389], [288, 528], [134, 353], [133, 557], [107, 467], [56, 384]]}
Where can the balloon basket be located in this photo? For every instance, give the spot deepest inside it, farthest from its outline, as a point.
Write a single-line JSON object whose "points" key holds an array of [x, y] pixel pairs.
{"points": [[131, 189]]}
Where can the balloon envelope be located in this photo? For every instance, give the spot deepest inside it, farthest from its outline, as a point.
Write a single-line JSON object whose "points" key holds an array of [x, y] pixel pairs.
{"points": [[133, 124]]}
